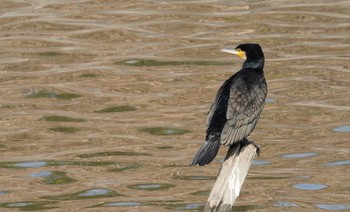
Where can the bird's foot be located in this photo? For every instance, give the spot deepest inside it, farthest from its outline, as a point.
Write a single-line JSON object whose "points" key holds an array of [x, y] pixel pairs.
{"points": [[246, 142]]}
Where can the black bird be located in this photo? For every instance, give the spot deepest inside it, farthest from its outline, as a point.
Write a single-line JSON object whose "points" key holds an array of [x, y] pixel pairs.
{"points": [[237, 105]]}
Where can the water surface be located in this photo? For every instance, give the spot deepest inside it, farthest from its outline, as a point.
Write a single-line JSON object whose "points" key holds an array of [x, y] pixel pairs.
{"points": [[104, 95]]}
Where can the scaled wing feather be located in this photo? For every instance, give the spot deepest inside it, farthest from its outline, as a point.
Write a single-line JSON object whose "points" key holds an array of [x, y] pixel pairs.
{"points": [[244, 108]]}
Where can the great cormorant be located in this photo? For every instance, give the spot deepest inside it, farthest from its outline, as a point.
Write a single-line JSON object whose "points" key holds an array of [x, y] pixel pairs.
{"points": [[237, 105]]}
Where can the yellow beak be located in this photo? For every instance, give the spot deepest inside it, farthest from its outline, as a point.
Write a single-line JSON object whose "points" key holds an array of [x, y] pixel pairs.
{"points": [[237, 52]]}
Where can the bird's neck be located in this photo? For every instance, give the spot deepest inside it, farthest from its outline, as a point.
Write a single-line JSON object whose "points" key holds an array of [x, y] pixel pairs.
{"points": [[255, 64]]}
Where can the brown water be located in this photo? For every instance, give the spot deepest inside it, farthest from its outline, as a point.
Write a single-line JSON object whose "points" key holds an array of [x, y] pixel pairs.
{"points": [[80, 82]]}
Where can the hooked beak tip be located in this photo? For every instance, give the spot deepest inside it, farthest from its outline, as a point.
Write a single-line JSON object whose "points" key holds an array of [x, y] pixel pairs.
{"points": [[230, 51]]}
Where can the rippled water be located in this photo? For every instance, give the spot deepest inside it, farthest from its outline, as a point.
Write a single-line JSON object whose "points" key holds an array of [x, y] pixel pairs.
{"points": [[110, 98]]}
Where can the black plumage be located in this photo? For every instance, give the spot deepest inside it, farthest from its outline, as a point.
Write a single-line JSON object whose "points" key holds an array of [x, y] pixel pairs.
{"points": [[237, 106]]}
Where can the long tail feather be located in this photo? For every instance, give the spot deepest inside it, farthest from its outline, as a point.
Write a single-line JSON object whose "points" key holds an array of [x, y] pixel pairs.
{"points": [[206, 153]]}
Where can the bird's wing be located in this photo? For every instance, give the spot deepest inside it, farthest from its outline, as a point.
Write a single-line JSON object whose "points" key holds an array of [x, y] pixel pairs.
{"points": [[219, 101], [245, 104], [212, 109]]}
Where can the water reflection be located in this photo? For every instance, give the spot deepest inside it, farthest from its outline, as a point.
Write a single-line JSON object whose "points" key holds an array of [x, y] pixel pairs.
{"points": [[53, 177], [114, 204], [334, 207], [269, 100], [94, 192], [151, 186], [28, 206], [19, 204], [339, 163], [342, 129], [87, 194], [309, 186], [30, 164], [41, 174], [300, 155], [285, 204], [260, 162]]}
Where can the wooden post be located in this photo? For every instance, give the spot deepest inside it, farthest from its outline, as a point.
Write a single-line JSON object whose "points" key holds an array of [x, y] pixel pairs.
{"points": [[230, 180]]}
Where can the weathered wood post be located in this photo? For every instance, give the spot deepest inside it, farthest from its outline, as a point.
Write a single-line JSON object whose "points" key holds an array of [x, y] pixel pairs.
{"points": [[230, 180]]}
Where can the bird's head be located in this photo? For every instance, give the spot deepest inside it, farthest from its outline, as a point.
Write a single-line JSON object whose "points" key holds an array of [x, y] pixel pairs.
{"points": [[251, 52]]}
